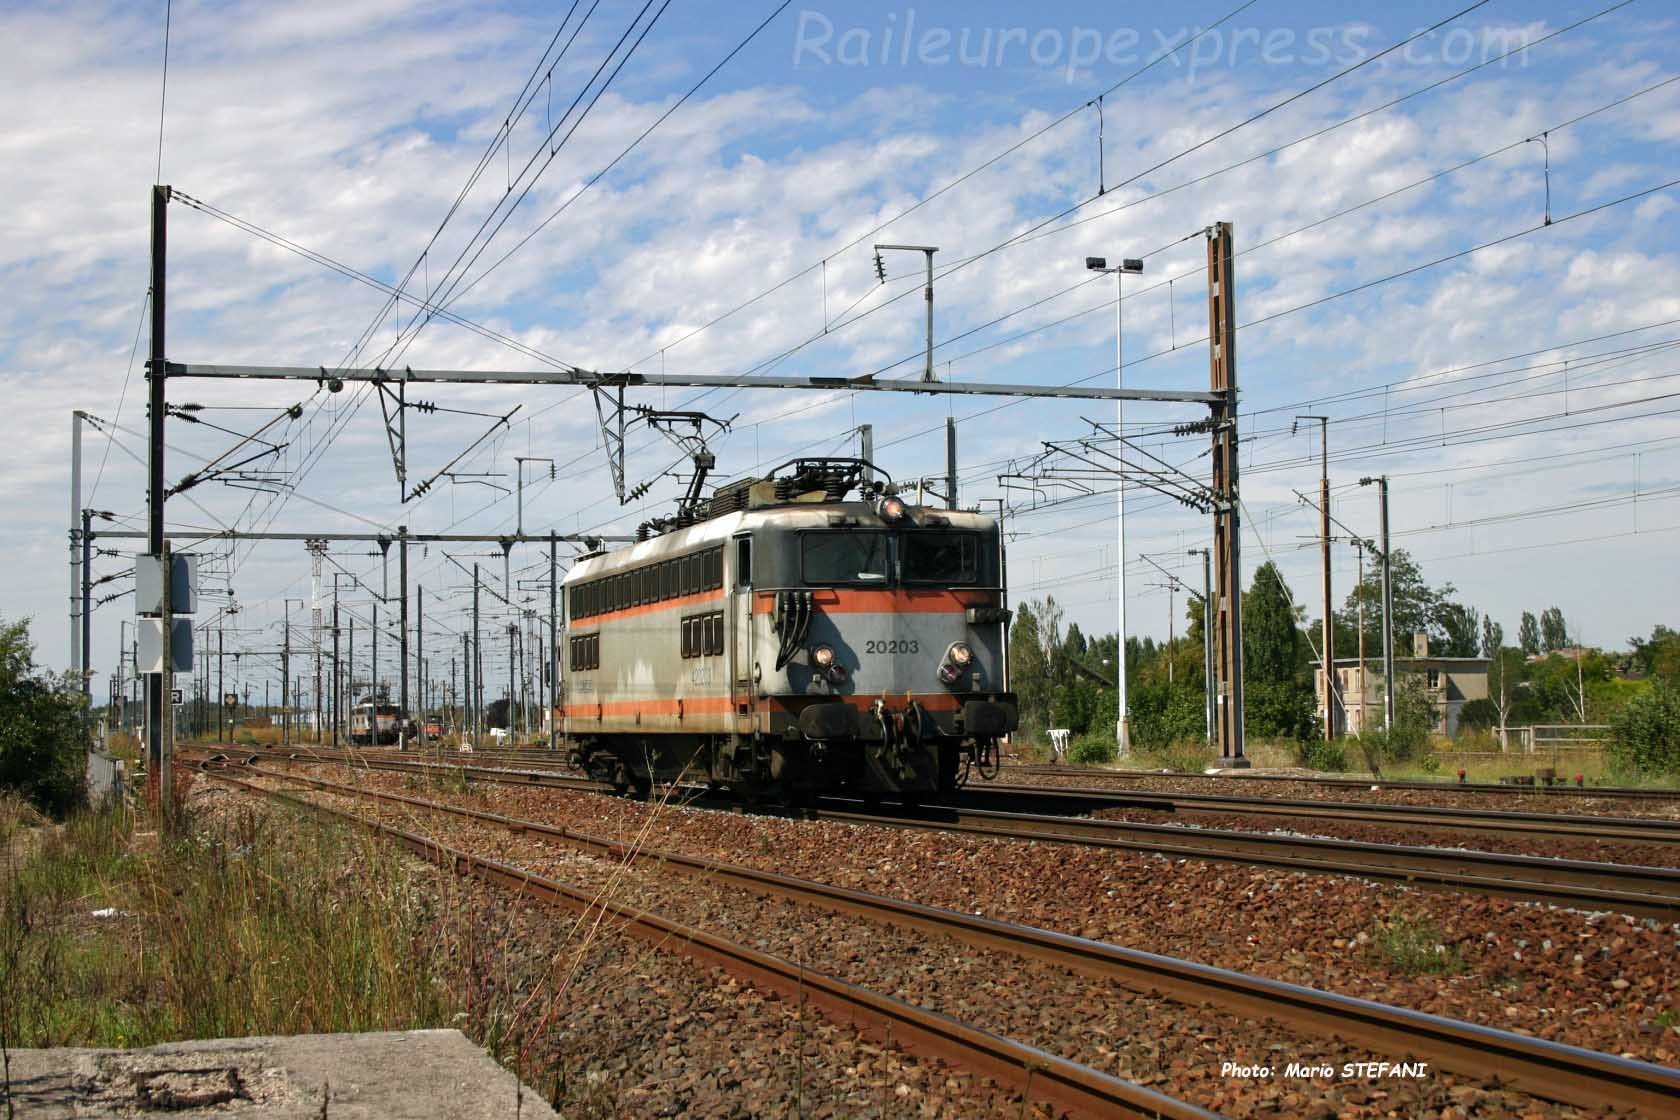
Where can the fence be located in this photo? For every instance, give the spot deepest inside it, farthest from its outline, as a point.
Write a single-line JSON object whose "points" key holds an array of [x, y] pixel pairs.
{"points": [[1559, 737]]}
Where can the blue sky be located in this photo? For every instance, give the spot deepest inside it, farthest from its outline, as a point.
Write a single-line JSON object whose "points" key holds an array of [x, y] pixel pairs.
{"points": [[350, 127]]}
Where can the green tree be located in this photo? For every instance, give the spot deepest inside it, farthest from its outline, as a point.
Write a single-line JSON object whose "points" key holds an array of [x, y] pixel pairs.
{"points": [[1507, 670], [1454, 628], [1658, 657], [1554, 633], [1459, 629], [1278, 695], [1164, 713], [1074, 645], [1493, 636], [1528, 635], [1271, 639], [42, 752], [1029, 671], [1050, 630], [1280, 709], [1646, 733]]}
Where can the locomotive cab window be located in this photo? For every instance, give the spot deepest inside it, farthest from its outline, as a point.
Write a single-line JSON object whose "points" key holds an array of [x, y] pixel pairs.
{"points": [[943, 558], [743, 561], [844, 558]]}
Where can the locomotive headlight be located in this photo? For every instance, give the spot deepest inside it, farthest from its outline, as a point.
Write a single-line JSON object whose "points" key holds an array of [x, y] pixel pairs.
{"points": [[822, 656], [892, 509], [960, 655]]}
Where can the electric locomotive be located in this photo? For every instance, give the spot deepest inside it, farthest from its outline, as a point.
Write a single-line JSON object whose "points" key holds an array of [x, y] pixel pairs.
{"points": [[375, 722], [791, 638]]}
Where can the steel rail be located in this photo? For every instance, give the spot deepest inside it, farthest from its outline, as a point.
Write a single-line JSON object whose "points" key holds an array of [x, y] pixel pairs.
{"points": [[1553, 1070], [1638, 890], [1562, 792], [1645, 892], [1035, 1073], [1637, 829]]}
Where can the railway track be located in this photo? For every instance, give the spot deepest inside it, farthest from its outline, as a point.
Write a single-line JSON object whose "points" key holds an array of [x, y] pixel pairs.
{"points": [[1070, 801], [1561, 791], [1035, 1073], [542, 757], [1646, 892], [1494, 821], [1539, 1067]]}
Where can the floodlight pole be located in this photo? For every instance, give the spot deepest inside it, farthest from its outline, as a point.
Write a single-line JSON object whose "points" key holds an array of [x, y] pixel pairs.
{"points": [[1387, 601], [1207, 632], [1122, 720]]}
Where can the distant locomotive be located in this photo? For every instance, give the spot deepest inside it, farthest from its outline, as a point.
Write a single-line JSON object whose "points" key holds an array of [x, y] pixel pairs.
{"points": [[375, 723], [788, 641]]}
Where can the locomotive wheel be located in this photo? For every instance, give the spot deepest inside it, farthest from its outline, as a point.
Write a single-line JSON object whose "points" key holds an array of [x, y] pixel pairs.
{"points": [[643, 787]]}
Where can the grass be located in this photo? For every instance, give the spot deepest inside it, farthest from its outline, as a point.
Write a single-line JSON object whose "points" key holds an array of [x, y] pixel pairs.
{"points": [[260, 920], [1416, 947], [251, 924]]}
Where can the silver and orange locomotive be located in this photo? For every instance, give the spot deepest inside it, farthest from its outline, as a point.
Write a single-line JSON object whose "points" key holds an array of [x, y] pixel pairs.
{"points": [[792, 641]]}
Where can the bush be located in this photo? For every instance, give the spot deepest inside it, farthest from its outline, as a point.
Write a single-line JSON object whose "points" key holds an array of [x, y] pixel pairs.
{"points": [[1279, 709], [1092, 751], [1163, 713], [42, 753], [1188, 756], [1478, 715], [1646, 733], [1416, 946], [1401, 744], [1319, 755]]}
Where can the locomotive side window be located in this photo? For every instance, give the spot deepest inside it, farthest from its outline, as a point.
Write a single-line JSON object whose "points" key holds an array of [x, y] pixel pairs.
{"points": [[943, 558], [702, 635], [585, 651], [844, 558]]}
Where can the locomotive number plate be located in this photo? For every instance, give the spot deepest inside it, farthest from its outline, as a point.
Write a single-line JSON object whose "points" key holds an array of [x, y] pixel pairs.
{"points": [[895, 645]]}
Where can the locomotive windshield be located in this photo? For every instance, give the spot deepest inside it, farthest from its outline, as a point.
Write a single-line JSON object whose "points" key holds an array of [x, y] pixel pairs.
{"points": [[832, 559], [839, 558], [943, 558]]}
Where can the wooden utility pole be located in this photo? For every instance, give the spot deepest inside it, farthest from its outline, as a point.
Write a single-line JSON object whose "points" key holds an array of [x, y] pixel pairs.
{"points": [[1226, 611]]}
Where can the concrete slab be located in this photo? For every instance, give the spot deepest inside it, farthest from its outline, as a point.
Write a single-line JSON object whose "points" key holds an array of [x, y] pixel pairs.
{"points": [[394, 1075]]}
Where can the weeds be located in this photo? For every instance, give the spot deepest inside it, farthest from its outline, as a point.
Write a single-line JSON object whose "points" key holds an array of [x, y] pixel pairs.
{"points": [[1416, 947], [256, 924], [1184, 757], [1319, 755]]}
